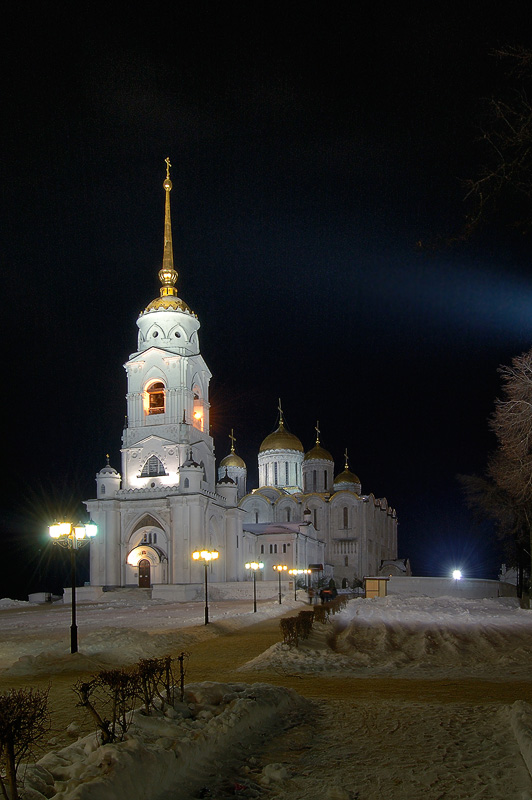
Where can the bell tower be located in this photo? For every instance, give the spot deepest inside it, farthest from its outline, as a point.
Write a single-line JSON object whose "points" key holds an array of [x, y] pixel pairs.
{"points": [[168, 387]]}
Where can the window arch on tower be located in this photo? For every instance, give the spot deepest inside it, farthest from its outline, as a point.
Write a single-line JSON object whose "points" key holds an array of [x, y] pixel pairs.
{"points": [[152, 467], [154, 398], [198, 408]]}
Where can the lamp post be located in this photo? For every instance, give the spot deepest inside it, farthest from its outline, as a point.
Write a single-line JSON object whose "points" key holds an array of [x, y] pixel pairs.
{"points": [[280, 569], [206, 556], [254, 566], [73, 537], [295, 573]]}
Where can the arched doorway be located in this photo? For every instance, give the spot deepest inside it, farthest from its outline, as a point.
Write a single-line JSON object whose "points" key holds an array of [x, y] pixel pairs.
{"points": [[144, 574]]}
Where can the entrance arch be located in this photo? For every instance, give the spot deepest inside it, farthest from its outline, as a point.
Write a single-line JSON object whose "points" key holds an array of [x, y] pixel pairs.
{"points": [[144, 568]]}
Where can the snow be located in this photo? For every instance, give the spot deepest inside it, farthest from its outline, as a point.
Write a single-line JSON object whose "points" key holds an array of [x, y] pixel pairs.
{"points": [[441, 637], [258, 740]]}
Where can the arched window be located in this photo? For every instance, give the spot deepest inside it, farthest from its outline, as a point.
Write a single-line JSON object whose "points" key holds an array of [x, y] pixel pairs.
{"points": [[346, 518], [187, 483], [153, 466], [155, 394], [288, 515], [102, 488], [325, 480], [198, 412]]}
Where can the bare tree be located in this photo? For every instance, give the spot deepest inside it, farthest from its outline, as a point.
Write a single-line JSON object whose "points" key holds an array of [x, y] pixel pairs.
{"points": [[24, 720], [504, 493], [504, 183]]}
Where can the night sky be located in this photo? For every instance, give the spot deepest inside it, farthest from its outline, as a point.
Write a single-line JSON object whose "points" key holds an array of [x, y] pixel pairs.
{"points": [[312, 147]]}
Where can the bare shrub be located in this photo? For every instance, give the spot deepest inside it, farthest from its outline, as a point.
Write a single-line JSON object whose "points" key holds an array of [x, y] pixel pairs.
{"points": [[289, 630], [304, 623], [24, 720]]}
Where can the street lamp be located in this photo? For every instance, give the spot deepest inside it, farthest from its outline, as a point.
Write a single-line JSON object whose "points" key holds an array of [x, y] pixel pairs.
{"points": [[295, 573], [206, 556], [280, 569], [73, 537], [254, 566]]}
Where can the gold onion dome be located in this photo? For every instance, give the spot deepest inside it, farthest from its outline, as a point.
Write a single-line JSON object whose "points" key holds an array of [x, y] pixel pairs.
{"points": [[318, 453], [168, 299], [232, 460], [347, 477], [281, 440]]}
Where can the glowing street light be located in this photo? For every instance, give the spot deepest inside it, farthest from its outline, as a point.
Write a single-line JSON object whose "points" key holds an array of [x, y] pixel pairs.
{"points": [[457, 574], [206, 556], [280, 569], [295, 573], [254, 566], [73, 537]]}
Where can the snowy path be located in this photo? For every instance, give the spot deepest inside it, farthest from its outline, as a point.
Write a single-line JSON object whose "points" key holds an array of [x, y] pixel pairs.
{"points": [[405, 751]]}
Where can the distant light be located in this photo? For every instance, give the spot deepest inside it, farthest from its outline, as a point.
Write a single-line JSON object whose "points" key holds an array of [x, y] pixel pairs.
{"points": [[457, 574]]}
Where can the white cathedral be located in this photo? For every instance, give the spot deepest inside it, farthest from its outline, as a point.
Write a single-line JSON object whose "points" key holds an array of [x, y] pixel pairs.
{"points": [[168, 503]]}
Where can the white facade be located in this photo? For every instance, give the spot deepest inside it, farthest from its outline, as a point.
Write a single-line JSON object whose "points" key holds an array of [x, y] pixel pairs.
{"points": [[167, 503], [356, 531]]}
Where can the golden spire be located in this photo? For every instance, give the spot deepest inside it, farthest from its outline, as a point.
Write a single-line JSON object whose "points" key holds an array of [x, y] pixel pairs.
{"points": [[317, 429], [233, 440], [346, 461], [280, 410], [168, 275]]}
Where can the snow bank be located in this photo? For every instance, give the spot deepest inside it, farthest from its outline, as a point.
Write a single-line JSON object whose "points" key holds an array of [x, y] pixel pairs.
{"points": [[6, 602], [414, 637], [186, 747], [521, 722]]}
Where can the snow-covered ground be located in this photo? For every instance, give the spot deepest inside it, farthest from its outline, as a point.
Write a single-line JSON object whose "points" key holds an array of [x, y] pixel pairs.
{"points": [[441, 637], [256, 740]]}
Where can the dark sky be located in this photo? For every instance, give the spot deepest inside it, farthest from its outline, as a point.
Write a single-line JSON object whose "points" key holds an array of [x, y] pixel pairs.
{"points": [[312, 147]]}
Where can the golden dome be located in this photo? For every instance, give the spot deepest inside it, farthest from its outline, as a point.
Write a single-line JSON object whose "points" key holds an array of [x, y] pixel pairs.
{"points": [[281, 440], [167, 304], [232, 460], [319, 453], [347, 477]]}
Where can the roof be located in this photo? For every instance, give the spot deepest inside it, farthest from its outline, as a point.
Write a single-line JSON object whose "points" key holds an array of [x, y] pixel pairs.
{"points": [[281, 439]]}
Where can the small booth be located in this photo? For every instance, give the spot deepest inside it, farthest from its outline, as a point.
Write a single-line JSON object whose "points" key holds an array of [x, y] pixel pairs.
{"points": [[376, 586]]}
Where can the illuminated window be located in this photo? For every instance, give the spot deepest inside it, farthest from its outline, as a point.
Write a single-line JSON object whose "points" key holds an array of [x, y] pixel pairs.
{"points": [[153, 466], [155, 394], [198, 419]]}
